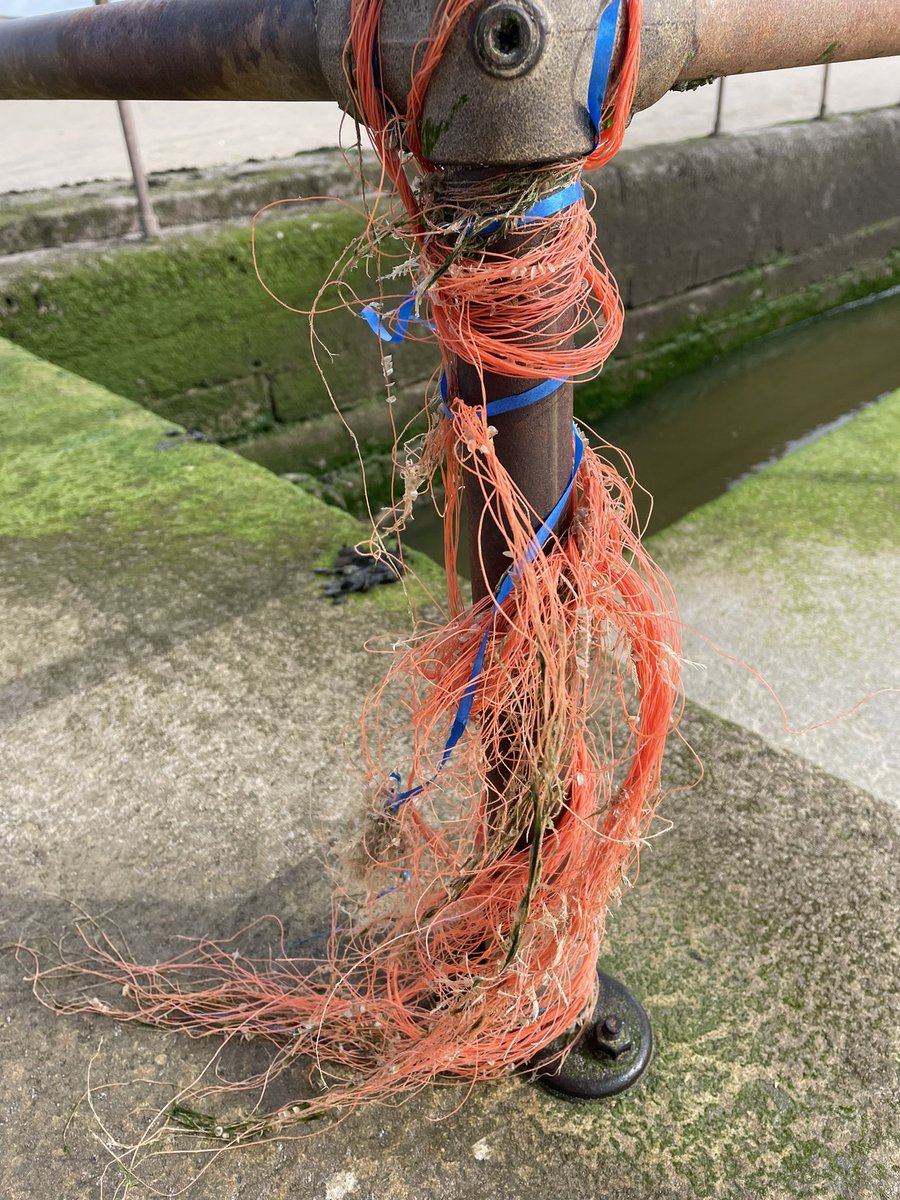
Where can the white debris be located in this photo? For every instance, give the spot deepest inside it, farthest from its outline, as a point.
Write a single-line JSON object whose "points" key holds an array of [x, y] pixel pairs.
{"points": [[341, 1185]]}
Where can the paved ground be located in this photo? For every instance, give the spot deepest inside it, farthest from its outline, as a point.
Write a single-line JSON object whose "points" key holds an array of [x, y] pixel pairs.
{"points": [[174, 696], [793, 574], [49, 143]]}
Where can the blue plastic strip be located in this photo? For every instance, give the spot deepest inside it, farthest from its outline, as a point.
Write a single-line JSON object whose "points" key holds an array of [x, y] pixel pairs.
{"points": [[496, 408], [603, 52], [403, 318], [546, 530], [464, 710], [555, 203]]}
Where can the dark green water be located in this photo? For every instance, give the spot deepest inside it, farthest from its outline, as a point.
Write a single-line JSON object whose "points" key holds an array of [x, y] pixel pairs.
{"points": [[700, 435]]}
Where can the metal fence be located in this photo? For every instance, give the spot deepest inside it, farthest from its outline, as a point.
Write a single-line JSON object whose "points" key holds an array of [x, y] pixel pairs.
{"points": [[730, 104], [722, 83]]}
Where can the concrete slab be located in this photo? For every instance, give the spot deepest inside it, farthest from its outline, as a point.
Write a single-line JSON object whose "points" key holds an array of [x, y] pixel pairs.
{"points": [[796, 573], [174, 701]]}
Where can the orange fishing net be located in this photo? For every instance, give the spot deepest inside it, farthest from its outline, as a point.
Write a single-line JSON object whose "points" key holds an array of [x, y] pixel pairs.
{"points": [[531, 725]]}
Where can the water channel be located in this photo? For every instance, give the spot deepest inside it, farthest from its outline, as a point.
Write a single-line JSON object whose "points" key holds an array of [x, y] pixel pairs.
{"points": [[702, 434]]}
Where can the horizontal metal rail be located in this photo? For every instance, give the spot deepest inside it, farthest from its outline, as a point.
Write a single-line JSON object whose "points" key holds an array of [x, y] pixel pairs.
{"points": [[166, 50], [268, 49], [735, 37]]}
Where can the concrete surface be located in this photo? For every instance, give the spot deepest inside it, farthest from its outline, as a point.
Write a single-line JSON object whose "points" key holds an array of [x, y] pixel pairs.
{"points": [[796, 572], [175, 699], [46, 143]]}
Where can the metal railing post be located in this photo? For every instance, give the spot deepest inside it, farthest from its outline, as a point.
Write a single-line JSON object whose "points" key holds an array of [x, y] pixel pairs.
{"points": [[146, 213], [720, 108], [826, 80]]}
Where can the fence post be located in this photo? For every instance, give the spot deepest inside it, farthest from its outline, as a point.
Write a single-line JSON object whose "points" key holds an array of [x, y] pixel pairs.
{"points": [[147, 215], [826, 79], [720, 107]]}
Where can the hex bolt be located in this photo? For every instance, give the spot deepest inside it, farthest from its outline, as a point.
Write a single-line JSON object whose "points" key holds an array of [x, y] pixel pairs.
{"points": [[611, 1037], [612, 1026], [509, 37]]}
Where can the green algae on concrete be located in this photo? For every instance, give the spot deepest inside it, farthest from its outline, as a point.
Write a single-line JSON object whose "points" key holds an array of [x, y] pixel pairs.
{"points": [[72, 452], [124, 488], [843, 488], [791, 579], [173, 324]]}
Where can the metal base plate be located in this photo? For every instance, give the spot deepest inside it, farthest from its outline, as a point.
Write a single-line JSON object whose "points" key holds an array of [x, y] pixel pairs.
{"points": [[610, 1053]]}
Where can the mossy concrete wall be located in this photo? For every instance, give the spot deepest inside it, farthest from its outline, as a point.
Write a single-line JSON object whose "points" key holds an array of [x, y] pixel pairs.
{"points": [[713, 242], [184, 327]]}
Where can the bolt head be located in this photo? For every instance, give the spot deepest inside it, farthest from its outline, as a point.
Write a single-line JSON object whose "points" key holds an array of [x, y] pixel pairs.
{"points": [[610, 1037], [509, 37]]}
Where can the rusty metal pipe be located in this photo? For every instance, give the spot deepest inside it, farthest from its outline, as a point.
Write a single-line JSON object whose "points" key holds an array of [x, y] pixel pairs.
{"points": [[692, 41], [732, 37], [535, 445], [166, 50], [269, 49]]}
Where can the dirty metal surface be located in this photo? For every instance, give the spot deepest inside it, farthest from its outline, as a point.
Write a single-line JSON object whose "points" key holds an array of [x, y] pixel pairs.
{"points": [[165, 50]]}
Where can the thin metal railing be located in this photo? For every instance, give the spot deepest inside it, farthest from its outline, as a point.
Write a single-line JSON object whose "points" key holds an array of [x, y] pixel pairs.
{"points": [[146, 213]]}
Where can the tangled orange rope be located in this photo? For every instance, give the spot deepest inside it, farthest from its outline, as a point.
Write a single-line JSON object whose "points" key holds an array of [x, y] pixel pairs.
{"points": [[472, 944]]}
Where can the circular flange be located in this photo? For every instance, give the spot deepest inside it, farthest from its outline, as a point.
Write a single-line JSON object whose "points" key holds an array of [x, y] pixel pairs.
{"points": [[509, 37], [610, 1053]]}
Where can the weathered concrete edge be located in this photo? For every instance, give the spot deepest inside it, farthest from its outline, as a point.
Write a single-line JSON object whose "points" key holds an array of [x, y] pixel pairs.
{"points": [[785, 585], [78, 461], [105, 210]]}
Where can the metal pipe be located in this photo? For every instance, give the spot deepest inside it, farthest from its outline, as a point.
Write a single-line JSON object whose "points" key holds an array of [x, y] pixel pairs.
{"points": [[166, 50], [823, 103], [269, 49], [720, 108], [146, 213], [735, 37], [693, 41], [535, 446]]}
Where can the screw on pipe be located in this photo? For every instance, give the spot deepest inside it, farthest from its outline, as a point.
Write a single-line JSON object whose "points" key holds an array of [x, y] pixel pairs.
{"points": [[509, 37]]}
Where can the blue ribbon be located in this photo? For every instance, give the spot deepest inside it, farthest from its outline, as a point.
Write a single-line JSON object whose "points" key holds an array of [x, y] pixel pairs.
{"points": [[496, 408], [603, 52], [504, 590], [403, 318], [555, 203]]}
